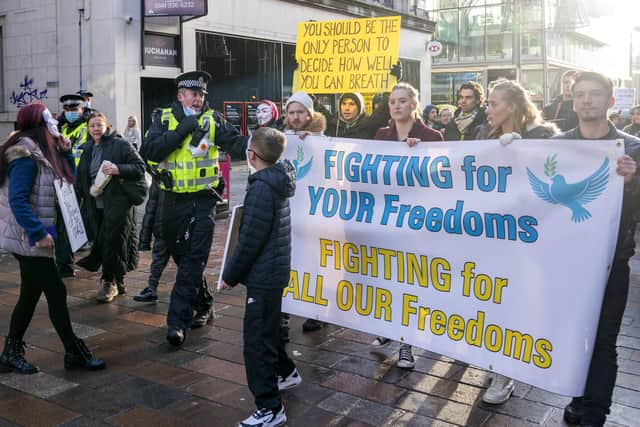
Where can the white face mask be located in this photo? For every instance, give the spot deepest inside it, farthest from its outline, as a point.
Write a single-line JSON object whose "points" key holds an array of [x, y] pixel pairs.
{"points": [[52, 124], [188, 111]]}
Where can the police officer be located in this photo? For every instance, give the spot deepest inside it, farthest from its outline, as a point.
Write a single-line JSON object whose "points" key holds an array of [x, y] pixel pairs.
{"points": [[184, 143], [86, 104], [74, 127]]}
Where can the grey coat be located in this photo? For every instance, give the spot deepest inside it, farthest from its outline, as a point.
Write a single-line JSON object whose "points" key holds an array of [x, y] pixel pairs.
{"points": [[13, 238]]}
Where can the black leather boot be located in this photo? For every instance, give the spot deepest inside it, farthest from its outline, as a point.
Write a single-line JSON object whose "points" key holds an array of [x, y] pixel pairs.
{"points": [[12, 358], [78, 356]]}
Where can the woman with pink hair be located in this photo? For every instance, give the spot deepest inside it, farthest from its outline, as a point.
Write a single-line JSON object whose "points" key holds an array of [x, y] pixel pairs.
{"points": [[34, 156]]}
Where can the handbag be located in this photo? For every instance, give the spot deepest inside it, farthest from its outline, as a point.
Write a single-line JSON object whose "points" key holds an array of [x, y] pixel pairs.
{"points": [[135, 190]]}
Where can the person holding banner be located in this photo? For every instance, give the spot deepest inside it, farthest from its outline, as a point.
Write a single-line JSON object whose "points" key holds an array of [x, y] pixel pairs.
{"points": [[509, 111], [110, 222], [592, 97], [32, 158], [261, 261], [510, 115], [406, 118], [302, 119], [407, 126]]}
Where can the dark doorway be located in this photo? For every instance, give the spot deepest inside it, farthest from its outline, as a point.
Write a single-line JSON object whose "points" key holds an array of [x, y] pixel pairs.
{"points": [[155, 93], [245, 69]]}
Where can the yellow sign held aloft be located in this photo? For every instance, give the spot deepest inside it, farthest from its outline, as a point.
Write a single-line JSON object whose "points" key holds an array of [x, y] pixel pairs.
{"points": [[353, 55]]}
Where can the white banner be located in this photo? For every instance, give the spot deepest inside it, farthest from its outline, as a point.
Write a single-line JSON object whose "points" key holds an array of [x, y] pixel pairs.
{"points": [[493, 255], [71, 214]]}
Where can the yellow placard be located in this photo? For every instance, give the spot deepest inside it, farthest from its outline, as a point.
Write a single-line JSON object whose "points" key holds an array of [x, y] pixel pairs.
{"points": [[354, 55]]}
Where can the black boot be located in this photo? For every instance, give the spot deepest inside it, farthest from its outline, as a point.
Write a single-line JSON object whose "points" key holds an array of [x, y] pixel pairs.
{"points": [[574, 411], [78, 356], [12, 359]]}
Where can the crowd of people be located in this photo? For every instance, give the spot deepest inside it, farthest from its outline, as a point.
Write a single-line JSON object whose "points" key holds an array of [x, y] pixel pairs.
{"points": [[181, 154]]}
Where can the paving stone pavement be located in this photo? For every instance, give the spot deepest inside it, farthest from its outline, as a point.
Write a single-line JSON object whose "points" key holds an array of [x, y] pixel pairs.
{"points": [[346, 382]]}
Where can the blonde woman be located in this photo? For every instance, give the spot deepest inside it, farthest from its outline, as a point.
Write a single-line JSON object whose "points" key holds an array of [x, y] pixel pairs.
{"points": [[132, 132], [509, 112]]}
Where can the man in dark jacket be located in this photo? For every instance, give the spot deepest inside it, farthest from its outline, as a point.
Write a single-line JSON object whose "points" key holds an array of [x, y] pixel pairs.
{"points": [[262, 261], [560, 111], [469, 115], [634, 127], [592, 96], [184, 143], [352, 121]]}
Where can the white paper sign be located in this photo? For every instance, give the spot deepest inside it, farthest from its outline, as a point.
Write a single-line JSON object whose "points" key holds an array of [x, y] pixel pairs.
{"points": [[493, 255], [232, 239], [71, 214], [625, 97]]}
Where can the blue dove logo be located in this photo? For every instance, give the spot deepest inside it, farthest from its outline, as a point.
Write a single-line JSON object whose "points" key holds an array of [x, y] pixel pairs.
{"points": [[301, 169], [572, 196]]}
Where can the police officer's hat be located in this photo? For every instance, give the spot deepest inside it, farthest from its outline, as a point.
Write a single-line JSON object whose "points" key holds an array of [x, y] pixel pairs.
{"points": [[194, 80], [85, 93], [71, 100]]}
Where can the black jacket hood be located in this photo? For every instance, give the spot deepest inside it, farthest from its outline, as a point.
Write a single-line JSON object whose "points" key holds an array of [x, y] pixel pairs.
{"points": [[281, 177]]}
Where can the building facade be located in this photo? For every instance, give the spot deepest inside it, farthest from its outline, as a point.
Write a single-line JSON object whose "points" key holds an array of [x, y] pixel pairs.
{"points": [[533, 41], [129, 61]]}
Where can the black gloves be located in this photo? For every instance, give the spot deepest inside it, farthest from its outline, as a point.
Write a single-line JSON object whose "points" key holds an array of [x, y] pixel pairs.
{"points": [[199, 133], [187, 125], [396, 70]]}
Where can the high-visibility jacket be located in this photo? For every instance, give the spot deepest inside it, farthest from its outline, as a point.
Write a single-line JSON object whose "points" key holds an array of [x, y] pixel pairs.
{"points": [[77, 136], [191, 174]]}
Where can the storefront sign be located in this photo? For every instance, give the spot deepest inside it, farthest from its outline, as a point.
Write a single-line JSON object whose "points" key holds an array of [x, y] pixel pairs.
{"points": [[434, 48], [475, 256], [353, 55], [175, 7], [162, 50]]}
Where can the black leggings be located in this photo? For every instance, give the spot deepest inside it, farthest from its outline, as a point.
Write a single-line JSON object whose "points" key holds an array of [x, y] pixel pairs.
{"points": [[39, 274]]}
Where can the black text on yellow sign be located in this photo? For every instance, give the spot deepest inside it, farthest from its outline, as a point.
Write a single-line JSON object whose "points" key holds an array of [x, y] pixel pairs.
{"points": [[353, 55]]}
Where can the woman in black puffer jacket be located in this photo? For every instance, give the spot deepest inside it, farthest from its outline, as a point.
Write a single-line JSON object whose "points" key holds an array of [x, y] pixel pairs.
{"points": [[110, 215]]}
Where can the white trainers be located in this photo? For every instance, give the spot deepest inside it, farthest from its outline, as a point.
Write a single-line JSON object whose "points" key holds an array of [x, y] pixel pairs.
{"points": [[499, 391], [265, 418], [292, 380], [380, 341], [405, 359]]}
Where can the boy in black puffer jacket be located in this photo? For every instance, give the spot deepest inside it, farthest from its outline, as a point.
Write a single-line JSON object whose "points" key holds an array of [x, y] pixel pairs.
{"points": [[262, 261]]}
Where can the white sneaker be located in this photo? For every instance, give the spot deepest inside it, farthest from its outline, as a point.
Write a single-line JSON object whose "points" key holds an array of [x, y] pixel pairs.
{"points": [[380, 341], [265, 418], [405, 359], [499, 391], [292, 380]]}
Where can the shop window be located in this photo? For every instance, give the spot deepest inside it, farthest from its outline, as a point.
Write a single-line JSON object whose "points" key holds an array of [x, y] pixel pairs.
{"points": [[245, 69], [472, 24]]}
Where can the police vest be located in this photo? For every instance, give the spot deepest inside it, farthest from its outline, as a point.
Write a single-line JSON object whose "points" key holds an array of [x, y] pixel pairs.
{"points": [[191, 174], [77, 136]]}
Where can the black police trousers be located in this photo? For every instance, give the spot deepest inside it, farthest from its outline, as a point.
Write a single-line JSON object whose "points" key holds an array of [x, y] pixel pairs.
{"points": [[187, 229]]}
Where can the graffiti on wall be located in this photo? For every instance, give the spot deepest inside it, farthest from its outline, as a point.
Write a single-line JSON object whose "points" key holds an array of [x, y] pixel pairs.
{"points": [[27, 93]]}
